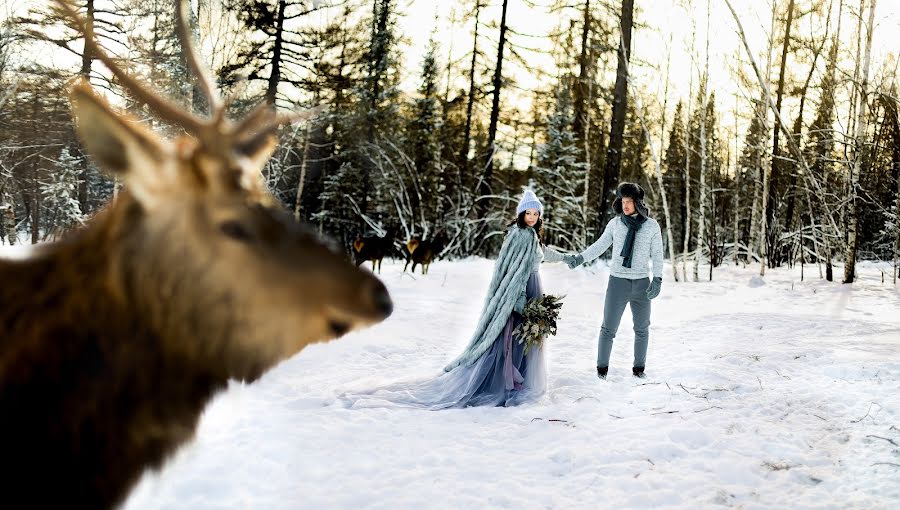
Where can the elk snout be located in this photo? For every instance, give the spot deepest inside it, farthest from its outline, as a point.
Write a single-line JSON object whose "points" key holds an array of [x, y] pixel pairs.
{"points": [[381, 299], [376, 305]]}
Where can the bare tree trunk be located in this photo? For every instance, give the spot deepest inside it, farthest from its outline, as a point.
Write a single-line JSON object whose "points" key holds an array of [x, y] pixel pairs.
{"points": [[896, 236], [754, 210], [894, 112], [687, 162], [36, 216], [580, 122], [585, 199], [832, 67], [798, 128], [11, 233], [896, 247], [814, 229], [9, 220], [449, 69], [852, 217], [536, 121], [798, 136], [701, 210], [581, 125], [657, 162], [659, 178], [486, 184], [302, 181], [775, 168], [851, 125], [613, 162], [757, 222], [763, 230], [275, 74], [687, 205], [701, 218], [467, 133], [802, 267], [86, 60], [736, 196], [198, 98]]}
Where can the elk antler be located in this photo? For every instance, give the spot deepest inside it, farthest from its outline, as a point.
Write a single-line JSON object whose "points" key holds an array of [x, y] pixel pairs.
{"points": [[162, 107], [200, 71], [262, 121]]}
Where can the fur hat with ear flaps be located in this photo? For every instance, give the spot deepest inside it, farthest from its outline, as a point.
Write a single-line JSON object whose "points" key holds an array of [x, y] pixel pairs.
{"points": [[633, 191]]}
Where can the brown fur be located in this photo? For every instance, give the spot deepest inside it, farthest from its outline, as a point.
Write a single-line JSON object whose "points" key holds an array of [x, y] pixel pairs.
{"points": [[424, 251], [113, 339], [372, 248]]}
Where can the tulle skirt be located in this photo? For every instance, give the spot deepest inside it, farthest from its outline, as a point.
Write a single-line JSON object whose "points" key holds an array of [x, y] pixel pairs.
{"points": [[502, 376]]}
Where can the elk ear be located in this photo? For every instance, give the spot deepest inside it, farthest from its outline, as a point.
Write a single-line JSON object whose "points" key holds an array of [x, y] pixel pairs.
{"points": [[120, 144]]}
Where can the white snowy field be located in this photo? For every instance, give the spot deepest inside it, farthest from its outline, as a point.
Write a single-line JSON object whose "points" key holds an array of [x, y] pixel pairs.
{"points": [[773, 396]]}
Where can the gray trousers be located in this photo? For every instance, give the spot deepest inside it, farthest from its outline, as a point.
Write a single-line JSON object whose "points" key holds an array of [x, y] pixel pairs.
{"points": [[620, 292]]}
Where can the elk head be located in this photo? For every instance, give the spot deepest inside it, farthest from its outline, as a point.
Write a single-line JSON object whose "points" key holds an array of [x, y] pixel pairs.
{"points": [[209, 250]]}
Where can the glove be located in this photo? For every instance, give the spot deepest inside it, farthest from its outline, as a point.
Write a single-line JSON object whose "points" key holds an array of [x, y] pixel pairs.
{"points": [[654, 288], [520, 304], [573, 261]]}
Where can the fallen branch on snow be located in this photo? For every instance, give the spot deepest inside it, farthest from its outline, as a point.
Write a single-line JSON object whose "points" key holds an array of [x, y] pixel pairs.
{"points": [[551, 419], [782, 375], [886, 439], [867, 412]]}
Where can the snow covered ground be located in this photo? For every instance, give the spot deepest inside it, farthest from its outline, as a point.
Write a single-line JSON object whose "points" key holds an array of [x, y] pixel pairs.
{"points": [[769, 394]]}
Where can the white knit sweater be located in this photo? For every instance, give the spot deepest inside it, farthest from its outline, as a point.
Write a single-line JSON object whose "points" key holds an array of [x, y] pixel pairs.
{"points": [[647, 247]]}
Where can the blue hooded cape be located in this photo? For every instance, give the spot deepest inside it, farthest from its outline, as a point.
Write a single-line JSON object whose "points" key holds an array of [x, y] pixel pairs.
{"points": [[511, 272]]}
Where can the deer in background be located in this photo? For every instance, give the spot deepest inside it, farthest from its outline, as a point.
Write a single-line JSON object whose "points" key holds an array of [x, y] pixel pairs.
{"points": [[113, 339], [374, 248], [423, 252]]}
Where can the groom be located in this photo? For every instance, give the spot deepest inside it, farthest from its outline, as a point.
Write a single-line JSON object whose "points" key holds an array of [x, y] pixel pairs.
{"points": [[636, 240]]}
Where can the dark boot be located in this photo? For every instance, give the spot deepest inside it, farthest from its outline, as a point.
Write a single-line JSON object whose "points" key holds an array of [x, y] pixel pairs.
{"points": [[601, 372], [638, 372]]}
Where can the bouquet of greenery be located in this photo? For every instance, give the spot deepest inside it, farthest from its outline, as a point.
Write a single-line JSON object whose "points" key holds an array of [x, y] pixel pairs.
{"points": [[539, 320]]}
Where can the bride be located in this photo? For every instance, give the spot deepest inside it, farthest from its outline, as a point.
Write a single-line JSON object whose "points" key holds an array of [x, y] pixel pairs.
{"points": [[494, 369]]}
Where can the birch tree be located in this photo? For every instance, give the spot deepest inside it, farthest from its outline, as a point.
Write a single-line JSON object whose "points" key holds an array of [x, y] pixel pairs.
{"points": [[861, 91], [657, 159], [701, 216], [686, 200]]}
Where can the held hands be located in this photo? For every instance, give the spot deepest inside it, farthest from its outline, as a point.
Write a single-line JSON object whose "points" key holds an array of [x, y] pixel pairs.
{"points": [[654, 288], [573, 261]]}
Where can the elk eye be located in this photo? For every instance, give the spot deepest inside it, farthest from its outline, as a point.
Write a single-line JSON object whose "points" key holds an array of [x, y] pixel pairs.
{"points": [[235, 230]]}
